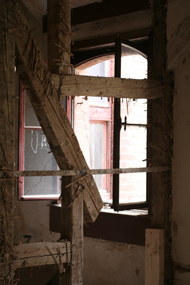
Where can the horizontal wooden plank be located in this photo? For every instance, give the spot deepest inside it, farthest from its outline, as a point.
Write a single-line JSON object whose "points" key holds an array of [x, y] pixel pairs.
{"points": [[40, 261], [41, 249], [113, 26], [76, 172], [37, 254], [47, 105], [179, 43], [77, 85]]}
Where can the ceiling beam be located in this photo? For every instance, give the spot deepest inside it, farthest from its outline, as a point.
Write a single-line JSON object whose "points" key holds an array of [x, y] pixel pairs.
{"points": [[113, 26], [106, 9]]}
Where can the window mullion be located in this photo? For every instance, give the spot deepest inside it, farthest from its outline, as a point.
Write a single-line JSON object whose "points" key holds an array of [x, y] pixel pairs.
{"points": [[117, 121]]}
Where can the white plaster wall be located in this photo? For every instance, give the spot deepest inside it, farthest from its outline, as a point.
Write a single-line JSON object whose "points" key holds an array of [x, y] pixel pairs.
{"points": [[111, 263], [177, 11], [33, 219]]}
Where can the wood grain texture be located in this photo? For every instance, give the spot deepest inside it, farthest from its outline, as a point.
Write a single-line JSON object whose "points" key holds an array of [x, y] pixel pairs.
{"points": [[43, 253], [154, 257], [77, 85], [47, 105], [7, 137]]}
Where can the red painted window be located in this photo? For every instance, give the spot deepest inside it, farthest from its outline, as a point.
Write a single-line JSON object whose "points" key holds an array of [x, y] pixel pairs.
{"points": [[34, 154]]}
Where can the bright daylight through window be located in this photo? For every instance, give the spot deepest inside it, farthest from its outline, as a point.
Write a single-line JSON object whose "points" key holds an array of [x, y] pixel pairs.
{"points": [[94, 128]]}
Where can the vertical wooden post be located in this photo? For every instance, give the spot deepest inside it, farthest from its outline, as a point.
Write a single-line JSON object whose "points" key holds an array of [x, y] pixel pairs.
{"points": [[161, 134], [7, 138], [72, 229], [59, 36], [154, 257], [59, 42]]}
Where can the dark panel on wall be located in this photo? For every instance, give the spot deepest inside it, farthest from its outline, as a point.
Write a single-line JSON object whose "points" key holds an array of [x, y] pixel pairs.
{"points": [[106, 9], [109, 226]]}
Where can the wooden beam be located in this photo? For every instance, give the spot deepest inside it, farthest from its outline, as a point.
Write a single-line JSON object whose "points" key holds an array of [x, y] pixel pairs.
{"points": [[113, 26], [161, 129], [83, 172], [47, 105], [59, 36], [77, 85], [95, 11], [42, 253], [7, 137], [178, 44], [72, 229], [154, 257]]}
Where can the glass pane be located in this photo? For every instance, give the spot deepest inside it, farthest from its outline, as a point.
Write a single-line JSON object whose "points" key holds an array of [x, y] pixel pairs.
{"points": [[132, 188], [133, 141], [93, 125], [133, 147], [135, 110], [37, 157], [98, 101], [97, 152], [30, 116], [133, 64]]}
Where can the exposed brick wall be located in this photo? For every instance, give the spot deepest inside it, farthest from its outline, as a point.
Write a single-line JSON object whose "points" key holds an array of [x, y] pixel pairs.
{"points": [[132, 143]]}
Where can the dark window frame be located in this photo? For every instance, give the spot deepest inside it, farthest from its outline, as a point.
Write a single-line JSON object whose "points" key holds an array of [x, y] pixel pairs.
{"points": [[86, 55]]}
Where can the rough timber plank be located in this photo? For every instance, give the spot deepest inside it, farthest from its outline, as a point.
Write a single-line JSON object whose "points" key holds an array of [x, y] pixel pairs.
{"points": [[59, 32], [7, 138], [179, 43], [27, 250], [75, 172], [161, 137], [77, 85], [52, 117], [37, 254], [72, 229], [130, 22], [154, 257]]}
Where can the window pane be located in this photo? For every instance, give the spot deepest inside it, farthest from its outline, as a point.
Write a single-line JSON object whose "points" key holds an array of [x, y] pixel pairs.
{"points": [[30, 116], [136, 110], [133, 64], [132, 187], [97, 152], [38, 158], [133, 141], [133, 147], [93, 124]]}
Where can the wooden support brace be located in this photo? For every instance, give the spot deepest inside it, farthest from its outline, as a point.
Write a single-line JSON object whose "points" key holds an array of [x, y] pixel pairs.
{"points": [[42, 253], [77, 85], [52, 117], [74, 172], [154, 257]]}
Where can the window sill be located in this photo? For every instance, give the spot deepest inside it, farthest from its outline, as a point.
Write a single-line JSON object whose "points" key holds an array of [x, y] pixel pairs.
{"points": [[40, 197], [126, 226]]}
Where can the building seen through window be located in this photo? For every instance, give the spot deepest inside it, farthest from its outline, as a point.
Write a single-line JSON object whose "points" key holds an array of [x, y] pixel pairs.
{"points": [[94, 127]]}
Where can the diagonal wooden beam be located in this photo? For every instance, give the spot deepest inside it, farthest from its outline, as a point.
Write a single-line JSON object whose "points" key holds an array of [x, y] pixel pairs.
{"points": [[77, 85], [47, 105]]}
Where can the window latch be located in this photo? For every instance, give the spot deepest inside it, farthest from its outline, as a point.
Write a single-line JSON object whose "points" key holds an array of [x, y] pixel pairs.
{"points": [[125, 124]]}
